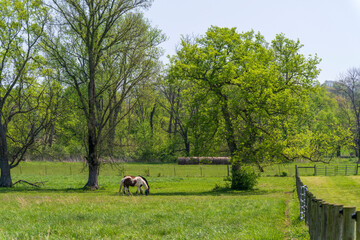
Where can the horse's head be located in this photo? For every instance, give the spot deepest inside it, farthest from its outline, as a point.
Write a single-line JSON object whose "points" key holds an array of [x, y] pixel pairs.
{"points": [[147, 192]]}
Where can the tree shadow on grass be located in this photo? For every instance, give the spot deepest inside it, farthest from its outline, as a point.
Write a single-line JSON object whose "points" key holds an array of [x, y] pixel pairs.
{"points": [[43, 190], [105, 191], [221, 192]]}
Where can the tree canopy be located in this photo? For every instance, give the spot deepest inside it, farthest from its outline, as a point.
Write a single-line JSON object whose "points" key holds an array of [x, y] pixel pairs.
{"points": [[83, 79]]}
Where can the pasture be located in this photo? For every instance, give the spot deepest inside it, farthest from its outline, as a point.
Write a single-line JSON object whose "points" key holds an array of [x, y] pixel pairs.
{"points": [[343, 190], [189, 204]]}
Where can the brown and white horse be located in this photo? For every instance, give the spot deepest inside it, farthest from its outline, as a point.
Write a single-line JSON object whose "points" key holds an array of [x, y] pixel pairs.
{"points": [[138, 181]]}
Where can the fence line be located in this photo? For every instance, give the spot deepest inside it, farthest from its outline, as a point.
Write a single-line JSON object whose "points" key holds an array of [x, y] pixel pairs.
{"points": [[325, 220], [333, 170]]}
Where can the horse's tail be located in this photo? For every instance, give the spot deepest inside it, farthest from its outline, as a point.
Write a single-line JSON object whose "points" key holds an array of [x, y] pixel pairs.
{"points": [[146, 182]]}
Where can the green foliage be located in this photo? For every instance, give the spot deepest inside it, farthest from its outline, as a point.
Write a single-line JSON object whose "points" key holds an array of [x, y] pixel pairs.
{"points": [[321, 130], [257, 88], [244, 178]]}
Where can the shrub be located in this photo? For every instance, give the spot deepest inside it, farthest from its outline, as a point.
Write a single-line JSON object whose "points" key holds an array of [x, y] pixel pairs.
{"points": [[243, 179]]}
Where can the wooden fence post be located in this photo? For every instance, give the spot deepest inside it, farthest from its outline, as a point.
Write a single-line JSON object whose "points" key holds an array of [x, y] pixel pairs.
{"points": [[313, 225], [331, 221], [337, 168], [318, 219], [357, 219], [315, 169], [348, 223], [308, 208], [338, 222], [357, 169], [325, 219]]}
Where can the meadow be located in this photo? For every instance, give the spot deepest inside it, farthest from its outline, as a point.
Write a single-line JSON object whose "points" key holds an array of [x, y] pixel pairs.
{"points": [[342, 190], [185, 202]]}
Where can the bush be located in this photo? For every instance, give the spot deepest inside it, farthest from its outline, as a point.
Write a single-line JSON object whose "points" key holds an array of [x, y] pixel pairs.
{"points": [[244, 179]]}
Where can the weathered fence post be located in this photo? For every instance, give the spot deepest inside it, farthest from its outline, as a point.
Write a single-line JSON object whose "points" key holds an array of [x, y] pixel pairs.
{"points": [[325, 219], [338, 222], [315, 169], [331, 221], [318, 215], [348, 223], [356, 216], [313, 214], [357, 169], [308, 208]]}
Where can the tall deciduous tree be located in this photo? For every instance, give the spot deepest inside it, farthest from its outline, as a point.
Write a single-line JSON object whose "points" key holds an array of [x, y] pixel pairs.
{"points": [[21, 29], [257, 87], [92, 43], [349, 87]]}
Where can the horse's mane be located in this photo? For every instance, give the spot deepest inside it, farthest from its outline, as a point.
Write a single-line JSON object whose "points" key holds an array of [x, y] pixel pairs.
{"points": [[145, 181]]}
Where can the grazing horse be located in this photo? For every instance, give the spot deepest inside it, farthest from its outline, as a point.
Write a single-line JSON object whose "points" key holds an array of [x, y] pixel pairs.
{"points": [[138, 181]]}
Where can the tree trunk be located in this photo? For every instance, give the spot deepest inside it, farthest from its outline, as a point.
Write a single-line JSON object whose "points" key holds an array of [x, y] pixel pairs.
{"points": [[92, 183], [93, 163], [111, 136], [5, 179], [152, 119], [93, 137], [187, 144], [338, 151], [230, 139]]}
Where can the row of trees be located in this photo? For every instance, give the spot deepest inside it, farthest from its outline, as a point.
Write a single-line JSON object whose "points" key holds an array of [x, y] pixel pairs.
{"points": [[82, 78]]}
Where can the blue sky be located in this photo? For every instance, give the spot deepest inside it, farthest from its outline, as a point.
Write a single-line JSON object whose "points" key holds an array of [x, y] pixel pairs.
{"points": [[330, 28]]}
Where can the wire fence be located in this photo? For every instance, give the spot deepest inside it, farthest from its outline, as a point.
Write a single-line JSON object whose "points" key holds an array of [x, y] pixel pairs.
{"points": [[149, 170], [330, 170]]}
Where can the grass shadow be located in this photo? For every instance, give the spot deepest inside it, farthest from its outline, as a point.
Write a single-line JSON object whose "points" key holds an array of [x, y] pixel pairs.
{"points": [[103, 190], [43, 190], [221, 192]]}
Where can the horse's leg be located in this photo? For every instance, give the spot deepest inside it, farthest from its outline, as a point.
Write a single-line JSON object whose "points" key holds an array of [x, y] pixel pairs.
{"points": [[121, 185], [124, 188], [141, 191], [137, 190]]}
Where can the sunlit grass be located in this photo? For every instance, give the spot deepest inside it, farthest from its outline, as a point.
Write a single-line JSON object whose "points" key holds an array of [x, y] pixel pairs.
{"points": [[343, 190], [178, 207]]}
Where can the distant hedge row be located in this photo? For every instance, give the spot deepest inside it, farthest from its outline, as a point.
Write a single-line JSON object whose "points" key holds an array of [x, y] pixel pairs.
{"points": [[203, 160]]}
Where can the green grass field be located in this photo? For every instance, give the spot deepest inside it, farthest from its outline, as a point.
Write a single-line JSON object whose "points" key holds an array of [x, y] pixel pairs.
{"points": [[344, 190], [178, 207]]}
